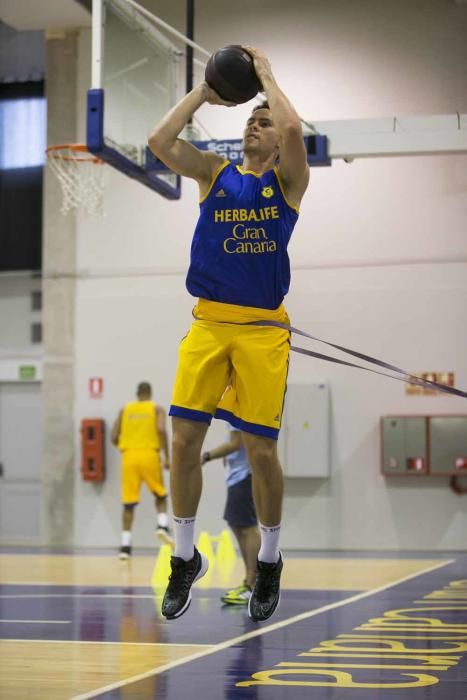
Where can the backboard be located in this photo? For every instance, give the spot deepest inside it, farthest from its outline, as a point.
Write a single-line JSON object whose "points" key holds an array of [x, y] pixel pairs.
{"points": [[137, 78], [136, 71]]}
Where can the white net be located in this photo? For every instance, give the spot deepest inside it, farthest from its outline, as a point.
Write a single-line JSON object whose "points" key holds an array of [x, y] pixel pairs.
{"points": [[81, 176]]}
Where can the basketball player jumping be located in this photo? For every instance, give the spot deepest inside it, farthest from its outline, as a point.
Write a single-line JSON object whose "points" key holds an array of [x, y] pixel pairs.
{"points": [[240, 272]]}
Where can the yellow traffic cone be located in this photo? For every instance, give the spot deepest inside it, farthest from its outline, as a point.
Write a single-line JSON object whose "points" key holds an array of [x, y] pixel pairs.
{"points": [[225, 558], [161, 572], [205, 546], [225, 549]]}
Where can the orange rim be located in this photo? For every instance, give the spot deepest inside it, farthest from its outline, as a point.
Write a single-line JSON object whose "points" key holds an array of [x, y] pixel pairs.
{"points": [[82, 153]]}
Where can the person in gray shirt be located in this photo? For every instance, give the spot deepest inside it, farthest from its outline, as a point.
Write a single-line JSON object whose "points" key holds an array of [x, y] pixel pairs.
{"points": [[239, 512]]}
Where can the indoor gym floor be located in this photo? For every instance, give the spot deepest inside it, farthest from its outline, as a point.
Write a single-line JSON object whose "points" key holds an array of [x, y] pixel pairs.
{"points": [[87, 625]]}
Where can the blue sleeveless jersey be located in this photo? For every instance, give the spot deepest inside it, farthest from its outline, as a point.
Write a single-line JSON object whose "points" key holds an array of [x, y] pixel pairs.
{"points": [[239, 249]]}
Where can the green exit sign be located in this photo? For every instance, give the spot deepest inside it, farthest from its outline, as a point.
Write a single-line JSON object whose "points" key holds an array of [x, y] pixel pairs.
{"points": [[27, 372]]}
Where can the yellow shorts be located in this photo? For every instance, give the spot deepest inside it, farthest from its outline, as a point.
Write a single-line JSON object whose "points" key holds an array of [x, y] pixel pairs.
{"points": [[141, 466], [233, 371]]}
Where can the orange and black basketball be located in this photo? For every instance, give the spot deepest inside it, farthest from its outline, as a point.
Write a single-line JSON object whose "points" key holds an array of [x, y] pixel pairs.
{"points": [[231, 73]]}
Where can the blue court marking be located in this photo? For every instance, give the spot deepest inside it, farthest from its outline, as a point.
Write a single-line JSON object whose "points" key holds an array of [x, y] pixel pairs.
{"points": [[215, 676], [120, 615]]}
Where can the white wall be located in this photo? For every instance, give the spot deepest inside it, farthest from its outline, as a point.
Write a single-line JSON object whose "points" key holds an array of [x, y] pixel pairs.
{"points": [[379, 260]]}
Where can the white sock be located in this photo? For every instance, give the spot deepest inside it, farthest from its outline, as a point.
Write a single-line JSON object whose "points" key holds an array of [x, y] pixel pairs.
{"points": [[184, 532], [126, 538], [163, 519], [269, 550]]}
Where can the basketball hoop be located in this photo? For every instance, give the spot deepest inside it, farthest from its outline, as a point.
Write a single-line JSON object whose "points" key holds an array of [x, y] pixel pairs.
{"points": [[81, 177]]}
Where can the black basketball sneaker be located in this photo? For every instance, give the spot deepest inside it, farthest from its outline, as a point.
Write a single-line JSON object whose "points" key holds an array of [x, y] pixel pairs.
{"points": [[124, 553], [266, 593], [177, 597]]}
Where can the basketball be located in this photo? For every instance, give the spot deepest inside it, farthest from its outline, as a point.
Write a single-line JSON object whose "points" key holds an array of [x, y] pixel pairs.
{"points": [[231, 73]]}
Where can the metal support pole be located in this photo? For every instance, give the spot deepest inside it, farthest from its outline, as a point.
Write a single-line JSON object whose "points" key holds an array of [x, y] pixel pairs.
{"points": [[190, 31]]}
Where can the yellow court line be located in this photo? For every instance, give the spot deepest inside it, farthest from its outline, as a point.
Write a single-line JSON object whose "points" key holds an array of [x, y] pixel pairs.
{"points": [[264, 630]]}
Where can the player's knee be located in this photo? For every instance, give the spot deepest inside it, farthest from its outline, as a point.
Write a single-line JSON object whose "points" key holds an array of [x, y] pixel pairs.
{"points": [[262, 455], [186, 445], [182, 443]]}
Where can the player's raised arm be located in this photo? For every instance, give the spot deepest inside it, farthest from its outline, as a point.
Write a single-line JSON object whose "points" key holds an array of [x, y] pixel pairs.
{"points": [[293, 164], [179, 155]]}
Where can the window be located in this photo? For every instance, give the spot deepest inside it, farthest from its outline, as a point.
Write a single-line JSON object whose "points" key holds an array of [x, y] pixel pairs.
{"points": [[22, 132], [22, 157]]}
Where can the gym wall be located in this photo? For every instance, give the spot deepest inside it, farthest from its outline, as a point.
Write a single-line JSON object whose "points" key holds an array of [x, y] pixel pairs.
{"points": [[378, 264]]}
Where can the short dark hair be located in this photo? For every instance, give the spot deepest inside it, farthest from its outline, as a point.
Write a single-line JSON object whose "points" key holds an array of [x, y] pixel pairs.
{"points": [[263, 105], [143, 389]]}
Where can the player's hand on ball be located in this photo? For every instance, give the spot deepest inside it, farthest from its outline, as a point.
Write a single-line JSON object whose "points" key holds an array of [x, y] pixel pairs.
{"points": [[213, 98], [261, 62]]}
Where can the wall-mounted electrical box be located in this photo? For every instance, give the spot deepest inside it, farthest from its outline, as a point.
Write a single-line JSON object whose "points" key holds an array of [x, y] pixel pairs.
{"points": [[447, 440], [93, 449], [404, 445], [424, 445], [304, 442]]}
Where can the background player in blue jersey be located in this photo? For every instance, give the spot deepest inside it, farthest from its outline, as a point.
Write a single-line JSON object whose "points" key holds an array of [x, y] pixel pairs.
{"points": [[240, 272], [239, 512]]}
